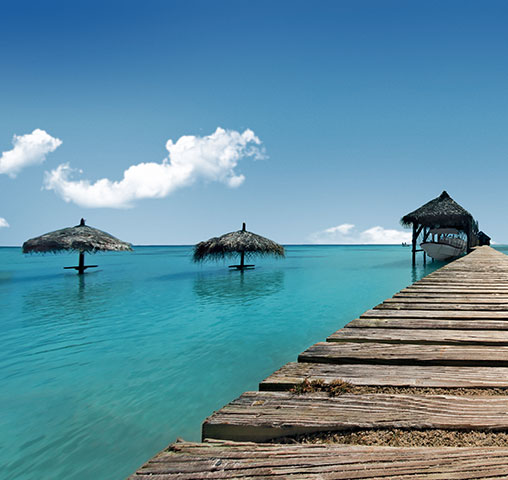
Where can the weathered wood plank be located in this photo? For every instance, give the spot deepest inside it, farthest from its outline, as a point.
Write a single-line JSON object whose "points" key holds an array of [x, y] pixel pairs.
{"points": [[421, 336], [262, 416], [466, 280], [471, 277], [448, 287], [246, 461], [428, 323], [434, 294], [421, 286], [441, 314], [456, 290], [295, 373], [462, 299], [416, 305], [470, 272], [460, 285], [405, 354], [479, 269]]}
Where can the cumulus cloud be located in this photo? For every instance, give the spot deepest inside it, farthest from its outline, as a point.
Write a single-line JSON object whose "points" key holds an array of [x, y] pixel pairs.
{"points": [[3, 222], [343, 229], [190, 158], [347, 233], [29, 149]]}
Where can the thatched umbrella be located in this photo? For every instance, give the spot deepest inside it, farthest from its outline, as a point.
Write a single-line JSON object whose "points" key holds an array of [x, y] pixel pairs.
{"points": [[241, 242], [80, 238]]}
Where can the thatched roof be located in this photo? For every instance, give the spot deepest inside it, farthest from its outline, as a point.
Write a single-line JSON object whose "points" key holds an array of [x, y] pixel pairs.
{"points": [[443, 211], [233, 243], [80, 238]]}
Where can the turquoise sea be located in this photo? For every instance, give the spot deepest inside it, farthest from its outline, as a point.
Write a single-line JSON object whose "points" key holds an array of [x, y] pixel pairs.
{"points": [[100, 372]]}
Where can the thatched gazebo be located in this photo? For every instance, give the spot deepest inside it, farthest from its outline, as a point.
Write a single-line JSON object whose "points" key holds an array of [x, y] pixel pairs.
{"points": [[80, 238], [242, 242], [441, 212]]}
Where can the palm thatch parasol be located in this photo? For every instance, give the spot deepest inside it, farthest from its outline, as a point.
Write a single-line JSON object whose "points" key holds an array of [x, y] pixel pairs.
{"points": [[241, 242], [80, 238], [443, 212]]}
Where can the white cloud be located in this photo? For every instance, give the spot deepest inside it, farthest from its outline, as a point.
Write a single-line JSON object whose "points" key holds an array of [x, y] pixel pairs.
{"points": [[347, 233], [191, 158], [343, 229], [29, 149], [3, 222], [382, 235]]}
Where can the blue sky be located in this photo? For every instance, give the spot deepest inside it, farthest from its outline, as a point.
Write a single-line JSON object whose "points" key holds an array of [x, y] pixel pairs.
{"points": [[364, 110]]}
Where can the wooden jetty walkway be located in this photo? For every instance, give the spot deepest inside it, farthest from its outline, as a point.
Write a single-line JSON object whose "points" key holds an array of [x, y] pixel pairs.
{"points": [[415, 388]]}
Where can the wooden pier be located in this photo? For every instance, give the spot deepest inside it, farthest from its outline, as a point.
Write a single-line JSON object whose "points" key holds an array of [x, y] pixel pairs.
{"points": [[415, 388]]}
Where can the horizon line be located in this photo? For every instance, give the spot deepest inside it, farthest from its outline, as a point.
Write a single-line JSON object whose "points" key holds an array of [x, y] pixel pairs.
{"points": [[283, 244]]}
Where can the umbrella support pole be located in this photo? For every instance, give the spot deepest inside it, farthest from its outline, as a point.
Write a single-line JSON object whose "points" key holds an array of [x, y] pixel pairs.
{"points": [[81, 266], [243, 265]]}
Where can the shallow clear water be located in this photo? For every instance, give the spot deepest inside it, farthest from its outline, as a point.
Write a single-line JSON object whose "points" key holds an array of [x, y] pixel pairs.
{"points": [[100, 372]]}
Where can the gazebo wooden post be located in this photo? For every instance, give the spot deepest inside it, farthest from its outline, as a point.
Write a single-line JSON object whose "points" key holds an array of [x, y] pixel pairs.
{"points": [[416, 231], [414, 244], [469, 233], [426, 232], [424, 252]]}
